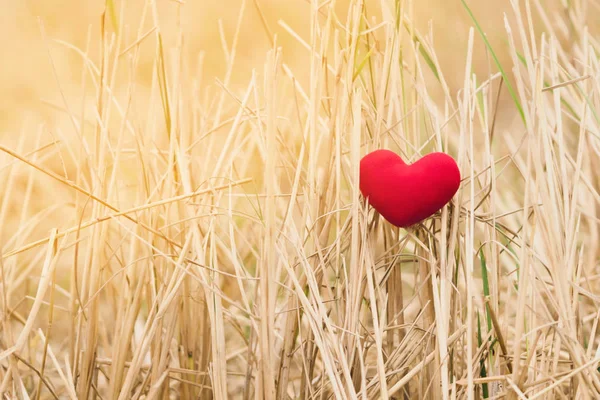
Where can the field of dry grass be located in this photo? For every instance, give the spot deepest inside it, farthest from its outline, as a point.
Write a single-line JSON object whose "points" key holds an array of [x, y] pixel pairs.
{"points": [[181, 216]]}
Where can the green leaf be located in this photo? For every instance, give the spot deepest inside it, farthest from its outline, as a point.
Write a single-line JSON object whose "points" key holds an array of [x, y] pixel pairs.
{"points": [[483, 372], [509, 87], [486, 287]]}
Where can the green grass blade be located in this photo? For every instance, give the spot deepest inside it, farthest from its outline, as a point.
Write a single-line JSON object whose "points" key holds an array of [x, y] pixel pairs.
{"points": [[111, 9], [483, 372], [428, 59], [509, 87], [486, 287]]}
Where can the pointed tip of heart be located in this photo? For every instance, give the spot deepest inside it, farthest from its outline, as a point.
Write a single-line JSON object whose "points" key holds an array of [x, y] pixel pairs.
{"points": [[405, 194]]}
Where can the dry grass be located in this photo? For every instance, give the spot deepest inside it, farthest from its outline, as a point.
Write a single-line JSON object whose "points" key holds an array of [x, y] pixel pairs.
{"points": [[181, 215]]}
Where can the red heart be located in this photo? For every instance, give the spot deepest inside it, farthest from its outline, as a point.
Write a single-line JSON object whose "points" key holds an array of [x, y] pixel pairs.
{"points": [[406, 194]]}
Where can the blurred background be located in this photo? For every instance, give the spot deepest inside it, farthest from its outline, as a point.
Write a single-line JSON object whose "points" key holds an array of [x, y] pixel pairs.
{"points": [[42, 69], [26, 74], [43, 80]]}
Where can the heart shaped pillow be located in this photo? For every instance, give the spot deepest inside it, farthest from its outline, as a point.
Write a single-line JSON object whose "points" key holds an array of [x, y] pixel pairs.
{"points": [[406, 194]]}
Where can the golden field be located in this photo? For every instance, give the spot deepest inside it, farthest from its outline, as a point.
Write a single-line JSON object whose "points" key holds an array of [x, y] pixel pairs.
{"points": [[181, 215]]}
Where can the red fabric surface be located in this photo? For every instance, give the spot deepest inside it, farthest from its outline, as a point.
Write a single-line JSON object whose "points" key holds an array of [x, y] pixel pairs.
{"points": [[407, 194]]}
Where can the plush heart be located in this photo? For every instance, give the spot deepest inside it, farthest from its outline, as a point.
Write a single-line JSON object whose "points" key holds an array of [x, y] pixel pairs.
{"points": [[406, 194]]}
